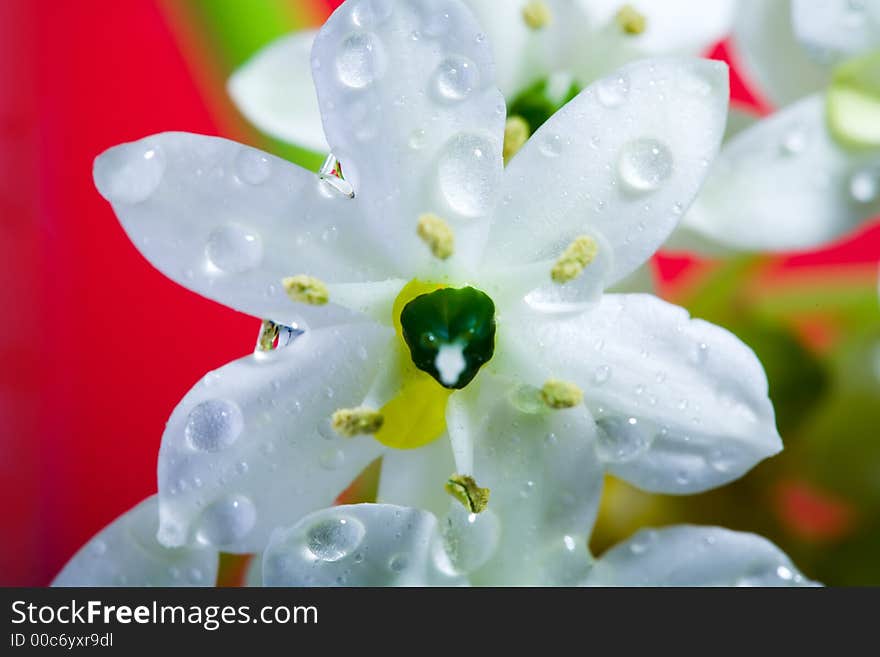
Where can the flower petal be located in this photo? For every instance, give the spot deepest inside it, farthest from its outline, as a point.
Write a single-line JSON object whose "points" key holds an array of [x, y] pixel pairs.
{"points": [[836, 29], [229, 222], [359, 545], [681, 404], [126, 553], [769, 55], [623, 183], [786, 184], [250, 447], [416, 477], [545, 483], [695, 556], [274, 90], [410, 109]]}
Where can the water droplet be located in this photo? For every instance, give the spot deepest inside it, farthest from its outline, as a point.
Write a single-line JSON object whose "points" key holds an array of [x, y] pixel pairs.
{"points": [[644, 164], [334, 538], [226, 521], [527, 489], [612, 91], [682, 479], [469, 172], [417, 139], [864, 186], [436, 24], [129, 173], [794, 142], [233, 248], [398, 563], [455, 78], [700, 353], [470, 539], [621, 439], [527, 399], [360, 60], [99, 547], [369, 13], [723, 459], [252, 166], [551, 145], [602, 374], [332, 459], [214, 425]]}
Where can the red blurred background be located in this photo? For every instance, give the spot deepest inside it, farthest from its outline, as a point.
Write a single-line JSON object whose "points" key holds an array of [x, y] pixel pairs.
{"points": [[98, 347]]}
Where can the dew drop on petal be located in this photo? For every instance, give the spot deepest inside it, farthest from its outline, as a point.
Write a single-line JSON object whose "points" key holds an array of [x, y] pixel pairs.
{"points": [[470, 539], [129, 173], [601, 374], [621, 439], [864, 186], [398, 563], [213, 425], [417, 139], [455, 78], [644, 164], [360, 60], [226, 521], [551, 145], [794, 142], [334, 538], [233, 248], [252, 166], [469, 171], [332, 459], [527, 399], [612, 91], [369, 13]]}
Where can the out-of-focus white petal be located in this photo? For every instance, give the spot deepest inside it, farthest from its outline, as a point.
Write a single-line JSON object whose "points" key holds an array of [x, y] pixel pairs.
{"points": [[619, 164], [681, 404], [695, 556], [786, 184], [359, 545], [545, 483], [229, 222], [126, 553], [411, 110], [274, 90], [770, 56], [251, 448], [836, 29], [416, 477]]}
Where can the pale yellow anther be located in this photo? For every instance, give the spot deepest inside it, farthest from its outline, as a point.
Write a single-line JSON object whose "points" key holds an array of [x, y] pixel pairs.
{"points": [[306, 289], [350, 422], [631, 20], [437, 234], [516, 133], [561, 394], [580, 253], [537, 14], [465, 490]]}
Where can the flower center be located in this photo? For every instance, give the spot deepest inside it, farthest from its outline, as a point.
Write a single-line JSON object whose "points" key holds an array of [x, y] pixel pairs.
{"points": [[450, 333]]}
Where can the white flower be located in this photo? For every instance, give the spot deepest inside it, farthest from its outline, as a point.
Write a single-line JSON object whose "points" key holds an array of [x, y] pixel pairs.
{"points": [[671, 404], [810, 172]]}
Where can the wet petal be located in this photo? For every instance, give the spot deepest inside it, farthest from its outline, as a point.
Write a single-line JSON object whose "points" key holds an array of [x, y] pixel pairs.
{"points": [[786, 184], [695, 556], [623, 183], [229, 222], [411, 110], [275, 91], [836, 29], [251, 448], [359, 545], [681, 404], [126, 553]]}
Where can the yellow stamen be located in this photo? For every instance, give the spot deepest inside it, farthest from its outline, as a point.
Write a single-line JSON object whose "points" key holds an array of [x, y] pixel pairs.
{"points": [[465, 490], [630, 20], [561, 394], [516, 133], [574, 259], [537, 14], [350, 422], [437, 234], [306, 289]]}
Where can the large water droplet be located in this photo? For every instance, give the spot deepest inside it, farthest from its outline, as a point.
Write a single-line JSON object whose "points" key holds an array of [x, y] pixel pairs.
{"points": [[612, 91], [369, 13], [360, 61], [864, 186], [470, 539], [233, 248], [468, 174], [622, 439], [227, 520], [527, 399], [456, 77], [129, 173], [645, 164], [334, 538], [214, 425], [252, 166]]}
